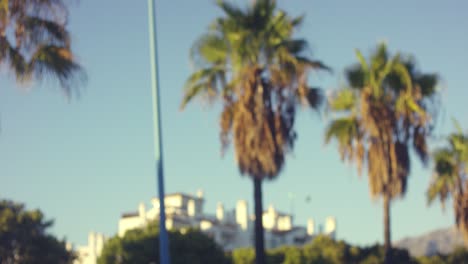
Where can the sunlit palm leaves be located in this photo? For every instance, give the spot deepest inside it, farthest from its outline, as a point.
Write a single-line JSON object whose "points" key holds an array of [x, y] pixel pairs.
{"points": [[449, 180], [249, 60], [34, 41], [387, 110]]}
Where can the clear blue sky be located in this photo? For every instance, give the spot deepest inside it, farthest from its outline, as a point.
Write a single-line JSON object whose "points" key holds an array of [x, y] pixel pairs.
{"points": [[86, 161]]}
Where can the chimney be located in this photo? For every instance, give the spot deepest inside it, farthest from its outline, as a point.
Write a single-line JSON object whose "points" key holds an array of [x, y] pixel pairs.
{"points": [[99, 244], [310, 227], [330, 226], [220, 212], [69, 246], [271, 209], [200, 194], [242, 214], [92, 243], [191, 208]]}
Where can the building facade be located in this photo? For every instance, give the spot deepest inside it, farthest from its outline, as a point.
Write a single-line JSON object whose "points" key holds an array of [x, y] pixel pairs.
{"points": [[90, 253], [230, 229]]}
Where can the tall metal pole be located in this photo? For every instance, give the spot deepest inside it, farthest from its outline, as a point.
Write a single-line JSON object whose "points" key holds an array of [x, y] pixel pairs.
{"points": [[163, 238]]}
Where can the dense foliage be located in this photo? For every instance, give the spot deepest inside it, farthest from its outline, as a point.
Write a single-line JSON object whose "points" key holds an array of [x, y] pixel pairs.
{"points": [[324, 250], [142, 246], [24, 238]]}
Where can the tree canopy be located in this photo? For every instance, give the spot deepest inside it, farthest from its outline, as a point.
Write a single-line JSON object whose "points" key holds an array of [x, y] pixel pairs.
{"points": [[250, 61], [449, 177], [387, 109], [142, 246], [24, 238], [35, 43]]}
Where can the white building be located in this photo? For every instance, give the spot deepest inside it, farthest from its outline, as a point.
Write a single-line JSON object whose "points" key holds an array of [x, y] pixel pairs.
{"points": [[231, 229], [90, 253]]}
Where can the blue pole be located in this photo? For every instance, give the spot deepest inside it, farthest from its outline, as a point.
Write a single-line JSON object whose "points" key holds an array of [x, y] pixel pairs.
{"points": [[163, 238]]}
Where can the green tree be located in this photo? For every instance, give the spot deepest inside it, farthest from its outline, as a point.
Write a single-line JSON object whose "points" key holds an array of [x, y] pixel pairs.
{"points": [[432, 260], [24, 238], [459, 255], [384, 112], [35, 43], [243, 255], [250, 62], [141, 246], [323, 249], [293, 255], [449, 180]]}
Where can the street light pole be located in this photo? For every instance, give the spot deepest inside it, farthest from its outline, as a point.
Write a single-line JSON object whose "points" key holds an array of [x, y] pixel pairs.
{"points": [[163, 238]]}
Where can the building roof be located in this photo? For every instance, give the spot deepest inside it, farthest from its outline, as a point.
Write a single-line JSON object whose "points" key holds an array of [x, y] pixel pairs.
{"points": [[129, 214], [189, 196], [283, 213], [279, 213]]}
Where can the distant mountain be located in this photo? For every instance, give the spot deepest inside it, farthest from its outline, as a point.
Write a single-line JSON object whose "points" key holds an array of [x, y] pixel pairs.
{"points": [[438, 241]]}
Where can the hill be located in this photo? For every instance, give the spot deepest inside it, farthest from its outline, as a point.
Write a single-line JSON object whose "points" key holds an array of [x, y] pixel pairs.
{"points": [[437, 241]]}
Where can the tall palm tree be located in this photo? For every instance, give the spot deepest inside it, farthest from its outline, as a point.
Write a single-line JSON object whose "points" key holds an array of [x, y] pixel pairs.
{"points": [[450, 177], [385, 110], [35, 43], [250, 62]]}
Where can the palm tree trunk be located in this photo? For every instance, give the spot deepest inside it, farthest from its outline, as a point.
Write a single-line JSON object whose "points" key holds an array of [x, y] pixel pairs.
{"points": [[259, 238], [387, 241]]}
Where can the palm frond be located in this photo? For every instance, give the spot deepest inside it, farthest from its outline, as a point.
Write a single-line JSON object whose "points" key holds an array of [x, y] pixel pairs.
{"points": [[367, 77], [344, 130], [294, 46], [312, 97], [231, 10], [209, 49], [379, 59], [37, 30], [313, 64], [403, 73], [420, 144], [297, 22], [343, 100], [19, 65], [202, 82], [389, 66], [457, 126], [427, 84], [438, 188], [356, 76], [58, 62]]}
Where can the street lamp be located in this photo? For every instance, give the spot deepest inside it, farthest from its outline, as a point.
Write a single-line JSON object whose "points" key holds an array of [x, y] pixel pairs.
{"points": [[158, 146]]}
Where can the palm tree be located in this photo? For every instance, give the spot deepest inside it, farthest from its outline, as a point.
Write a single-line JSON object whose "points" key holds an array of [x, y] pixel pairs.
{"points": [[249, 61], [385, 110], [34, 41], [449, 178]]}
